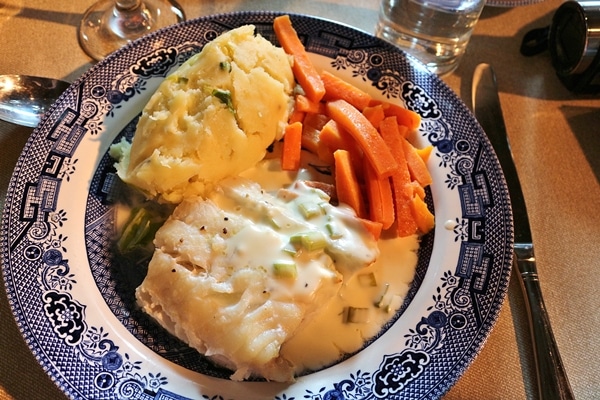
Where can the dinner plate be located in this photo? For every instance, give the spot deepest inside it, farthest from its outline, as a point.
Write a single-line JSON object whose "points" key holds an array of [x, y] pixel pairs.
{"points": [[75, 306]]}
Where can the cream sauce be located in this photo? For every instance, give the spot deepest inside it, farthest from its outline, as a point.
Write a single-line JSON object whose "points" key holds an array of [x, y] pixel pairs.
{"points": [[380, 289], [289, 228], [324, 336]]}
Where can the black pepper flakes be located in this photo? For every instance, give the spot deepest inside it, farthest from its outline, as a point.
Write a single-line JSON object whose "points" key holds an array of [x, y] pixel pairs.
{"points": [[224, 231]]}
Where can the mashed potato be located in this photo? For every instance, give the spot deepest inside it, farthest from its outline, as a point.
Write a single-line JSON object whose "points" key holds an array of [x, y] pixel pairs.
{"points": [[212, 118]]}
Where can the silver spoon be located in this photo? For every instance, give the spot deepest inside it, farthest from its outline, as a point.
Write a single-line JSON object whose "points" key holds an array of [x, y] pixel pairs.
{"points": [[24, 99]]}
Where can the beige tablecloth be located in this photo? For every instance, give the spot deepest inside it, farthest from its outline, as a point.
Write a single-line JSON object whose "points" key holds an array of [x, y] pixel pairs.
{"points": [[556, 142]]}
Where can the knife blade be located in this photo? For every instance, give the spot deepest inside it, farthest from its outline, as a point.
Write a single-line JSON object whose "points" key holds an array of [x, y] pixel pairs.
{"points": [[552, 381]]}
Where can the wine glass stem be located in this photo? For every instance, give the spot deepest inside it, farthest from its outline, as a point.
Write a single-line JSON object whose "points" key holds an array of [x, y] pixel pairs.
{"points": [[127, 5], [131, 17]]}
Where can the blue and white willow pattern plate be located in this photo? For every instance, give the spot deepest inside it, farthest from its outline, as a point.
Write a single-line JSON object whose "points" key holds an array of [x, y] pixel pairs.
{"points": [[75, 305]]}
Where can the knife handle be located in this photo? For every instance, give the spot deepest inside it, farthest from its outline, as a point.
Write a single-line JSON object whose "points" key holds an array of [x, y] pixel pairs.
{"points": [[552, 378]]}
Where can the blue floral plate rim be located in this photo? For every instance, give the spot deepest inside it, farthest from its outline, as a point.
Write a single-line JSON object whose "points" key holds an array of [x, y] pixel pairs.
{"points": [[55, 234]]}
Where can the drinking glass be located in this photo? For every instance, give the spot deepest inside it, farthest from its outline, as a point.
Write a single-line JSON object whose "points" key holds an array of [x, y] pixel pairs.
{"points": [[436, 32], [110, 24]]}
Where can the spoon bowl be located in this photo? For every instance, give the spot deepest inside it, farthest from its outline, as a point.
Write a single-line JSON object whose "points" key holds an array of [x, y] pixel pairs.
{"points": [[24, 99]]}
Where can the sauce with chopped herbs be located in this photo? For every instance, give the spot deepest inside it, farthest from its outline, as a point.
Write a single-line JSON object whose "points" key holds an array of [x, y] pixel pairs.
{"points": [[369, 297]]}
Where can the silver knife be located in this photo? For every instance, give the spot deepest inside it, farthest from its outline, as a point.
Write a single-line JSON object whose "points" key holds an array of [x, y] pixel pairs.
{"points": [[551, 376]]}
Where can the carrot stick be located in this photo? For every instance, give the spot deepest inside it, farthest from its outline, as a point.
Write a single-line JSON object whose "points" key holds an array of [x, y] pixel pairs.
{"points": [[387, 201], [416, 165], [424, 218], [401, 183], [381, 201], [296, 116], [331, 135], [404, 116], [370, 142], [324, 152], [374, 114], [418, 190], [373, 194], [311, 129], [425, 152], [335, 138], [337, 88], [372, 226], [347, 186], [303, 103], [303, 68], [292, 147], [330, 140]]}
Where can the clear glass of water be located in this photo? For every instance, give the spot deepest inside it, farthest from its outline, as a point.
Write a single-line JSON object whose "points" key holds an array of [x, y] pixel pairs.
{"points": [[436, 32]]}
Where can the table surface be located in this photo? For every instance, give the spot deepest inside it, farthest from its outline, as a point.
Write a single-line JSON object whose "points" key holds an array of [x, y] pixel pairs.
{"points": [[555, 139]]}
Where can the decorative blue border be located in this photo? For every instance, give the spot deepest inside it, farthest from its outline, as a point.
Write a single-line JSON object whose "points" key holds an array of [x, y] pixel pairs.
{"points": [[461, 311]]}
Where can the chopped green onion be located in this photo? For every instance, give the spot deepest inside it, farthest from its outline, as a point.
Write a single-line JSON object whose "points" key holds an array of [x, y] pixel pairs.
{"points": [[356, 315], [334, 230], [225, 66], [290, 250], [366, 280], [380, 303], [310, 241], [225, 97], [274, 223], [285, 269], [310, 210], [271, 217], [139, 230], [394, 304]]}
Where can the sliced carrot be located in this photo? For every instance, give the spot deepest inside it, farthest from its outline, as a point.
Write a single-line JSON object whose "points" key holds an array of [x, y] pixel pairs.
{"points": [[374, 114], [330, 140], [375, 206], [372, 226], [311, 129], [370, 142], [324, 152], [335, 138], [418, 190], [404, 116], [401, 183], [424, 218], [425, 152], [303, 103], [292, 147], [416, 165], [406, 223], [379, 194], [303, 68], [296, 116], [336, 88], [310, 139], [330, 135], [387, 200], [346, 185]]}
